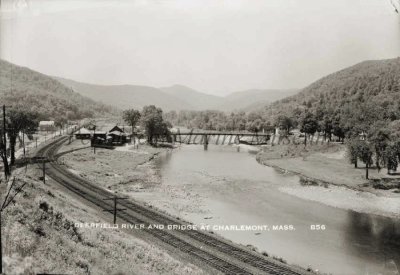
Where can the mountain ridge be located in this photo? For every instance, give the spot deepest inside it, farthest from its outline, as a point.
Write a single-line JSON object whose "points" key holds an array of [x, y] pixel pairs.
{"points": [[175, 97]]}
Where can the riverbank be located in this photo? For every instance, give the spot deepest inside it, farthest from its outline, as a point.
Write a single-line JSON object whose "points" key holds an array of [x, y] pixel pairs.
{"points": [[327, 177], [118, 170]]}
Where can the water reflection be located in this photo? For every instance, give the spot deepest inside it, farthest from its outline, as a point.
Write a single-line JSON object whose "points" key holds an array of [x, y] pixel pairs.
{"points": [[374, 238]]}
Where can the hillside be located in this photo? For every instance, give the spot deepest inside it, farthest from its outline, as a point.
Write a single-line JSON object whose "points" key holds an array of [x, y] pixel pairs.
{"points": [[250, 100], [362, 95], [127, 96], [196, 100], [20, 86]]}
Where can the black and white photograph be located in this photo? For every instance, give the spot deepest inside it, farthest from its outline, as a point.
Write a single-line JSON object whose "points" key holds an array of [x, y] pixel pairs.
{"points": [[146, 137]]}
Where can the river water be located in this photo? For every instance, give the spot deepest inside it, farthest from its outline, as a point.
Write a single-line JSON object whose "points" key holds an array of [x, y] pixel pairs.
{"points": [[234, 189]]}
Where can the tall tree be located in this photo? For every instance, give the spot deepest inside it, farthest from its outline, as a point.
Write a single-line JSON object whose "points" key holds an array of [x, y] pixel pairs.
{"points": [[365, 154], [379, 136], [4, 154], [337, 128], [353, 150], [284, 123], [308, 125], [19, 121], [396, 147], [391, 159], [131, 117], [325, 121], [153, 123]]}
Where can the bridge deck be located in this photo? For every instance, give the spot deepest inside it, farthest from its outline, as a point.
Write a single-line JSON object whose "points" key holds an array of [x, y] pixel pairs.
{"points": [[222, 134]]}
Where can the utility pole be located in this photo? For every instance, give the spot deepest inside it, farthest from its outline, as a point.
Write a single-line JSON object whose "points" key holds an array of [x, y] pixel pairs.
{"points": [[44, 171], [115, 209], [1, 244], [5, 140], [93, 125], [23, 140], [94, 139]]}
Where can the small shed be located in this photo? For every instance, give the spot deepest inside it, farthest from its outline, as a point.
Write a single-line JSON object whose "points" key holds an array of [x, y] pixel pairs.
{"points": [[83, 133], [47, 125], [118, 135]]}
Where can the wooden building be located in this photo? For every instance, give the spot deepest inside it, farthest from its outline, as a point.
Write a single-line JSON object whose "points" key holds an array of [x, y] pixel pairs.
{"points": [[118, 135], [83, 133]]}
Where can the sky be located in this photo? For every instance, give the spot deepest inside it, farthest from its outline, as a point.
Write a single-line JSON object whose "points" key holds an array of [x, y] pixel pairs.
{"points": [[214, 46]]}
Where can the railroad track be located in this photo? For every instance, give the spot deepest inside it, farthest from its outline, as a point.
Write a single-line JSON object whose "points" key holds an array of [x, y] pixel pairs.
{"points": [[223, 256]]}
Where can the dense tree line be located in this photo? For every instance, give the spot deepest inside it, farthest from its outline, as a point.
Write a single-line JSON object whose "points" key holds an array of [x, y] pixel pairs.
{"points": [[379, 147]]}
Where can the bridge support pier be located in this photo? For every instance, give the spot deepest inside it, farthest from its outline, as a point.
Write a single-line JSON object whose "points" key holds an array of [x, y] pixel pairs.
{"points": [[230, 139], [205, 143], [223, 140]]}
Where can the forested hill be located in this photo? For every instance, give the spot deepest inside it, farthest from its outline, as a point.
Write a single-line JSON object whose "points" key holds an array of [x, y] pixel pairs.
{"points": [[354, 99], [44, 95]]}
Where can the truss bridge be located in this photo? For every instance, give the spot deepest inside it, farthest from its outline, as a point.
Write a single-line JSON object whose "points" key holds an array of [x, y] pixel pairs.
{"points": [[219, 137]]}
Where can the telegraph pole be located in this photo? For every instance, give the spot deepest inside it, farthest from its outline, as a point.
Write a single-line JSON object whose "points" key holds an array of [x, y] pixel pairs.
{"points": [[115, 209], [44, 171], [23, 140], [94, 139], [1, 244], [5, 141]]}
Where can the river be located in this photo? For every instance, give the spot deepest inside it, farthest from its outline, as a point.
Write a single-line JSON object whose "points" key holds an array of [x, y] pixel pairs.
{"points": [[227, 187]]}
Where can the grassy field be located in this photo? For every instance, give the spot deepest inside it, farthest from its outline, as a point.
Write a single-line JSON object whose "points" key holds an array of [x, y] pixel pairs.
{"points": [[40, 237], [326, 163]]}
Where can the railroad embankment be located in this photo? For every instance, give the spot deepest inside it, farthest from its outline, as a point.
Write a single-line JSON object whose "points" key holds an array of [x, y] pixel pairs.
{"points": [[39, 236]]}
